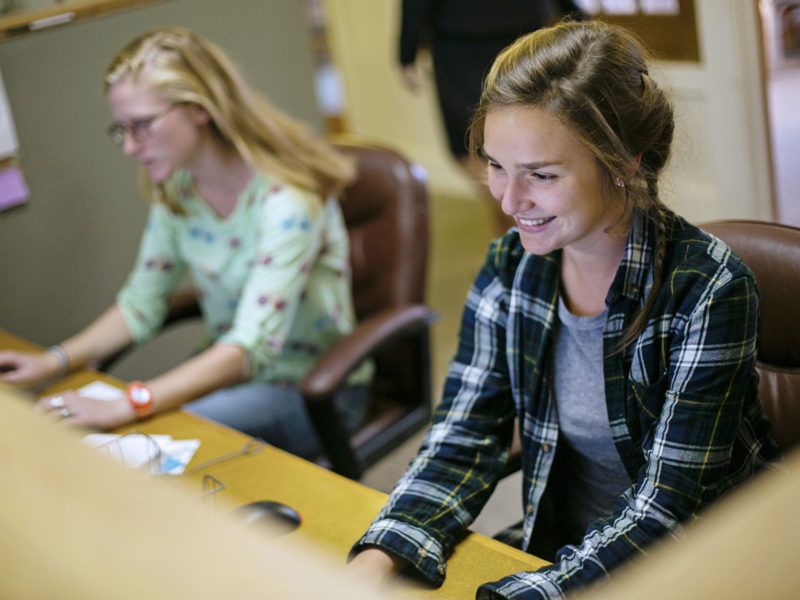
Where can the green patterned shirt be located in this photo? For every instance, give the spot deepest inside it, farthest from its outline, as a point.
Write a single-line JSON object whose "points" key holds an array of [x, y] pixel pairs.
{"points": [[272, 277]]}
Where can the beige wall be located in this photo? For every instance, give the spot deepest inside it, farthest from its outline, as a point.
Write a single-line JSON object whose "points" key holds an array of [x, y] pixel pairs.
{"points": [[720, 164], [65, 253]]}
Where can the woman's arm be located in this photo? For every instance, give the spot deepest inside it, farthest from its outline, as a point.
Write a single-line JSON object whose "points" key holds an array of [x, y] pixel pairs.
{"points": [[106, 335], [219, 366], [455, 472]]}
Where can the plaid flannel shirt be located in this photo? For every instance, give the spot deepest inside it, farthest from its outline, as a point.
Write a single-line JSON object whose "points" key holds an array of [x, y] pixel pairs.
{"points": [[682, 403]]}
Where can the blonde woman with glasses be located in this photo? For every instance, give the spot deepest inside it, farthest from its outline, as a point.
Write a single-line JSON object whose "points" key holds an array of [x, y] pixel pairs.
{"points": [[243, 199]]}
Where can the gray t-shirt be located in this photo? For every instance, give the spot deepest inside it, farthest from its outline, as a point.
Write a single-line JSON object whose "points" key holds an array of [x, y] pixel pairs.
{"points": [[595, 474]]}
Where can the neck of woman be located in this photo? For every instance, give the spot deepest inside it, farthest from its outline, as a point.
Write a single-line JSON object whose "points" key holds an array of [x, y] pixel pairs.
{"points": [[220, 175], [586, 277]]}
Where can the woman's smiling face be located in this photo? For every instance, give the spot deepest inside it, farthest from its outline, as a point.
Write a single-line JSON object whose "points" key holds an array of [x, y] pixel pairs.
{"points": [[548, 181]]}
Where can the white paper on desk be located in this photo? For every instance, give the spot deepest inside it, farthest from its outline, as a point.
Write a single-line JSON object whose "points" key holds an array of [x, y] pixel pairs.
{"points": [[177, 455], [136, 450], [100, 390]]}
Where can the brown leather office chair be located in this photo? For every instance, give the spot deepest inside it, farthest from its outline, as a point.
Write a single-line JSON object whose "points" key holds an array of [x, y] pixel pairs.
{"points": [[386, 213], [772, 252]]}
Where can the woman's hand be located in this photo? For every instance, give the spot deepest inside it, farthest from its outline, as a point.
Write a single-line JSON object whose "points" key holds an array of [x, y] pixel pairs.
{"points": [[71, 408], [375, 566], [25, 368], [414, 76]]}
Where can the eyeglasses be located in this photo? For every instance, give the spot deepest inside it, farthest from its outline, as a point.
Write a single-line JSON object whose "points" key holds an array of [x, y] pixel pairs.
{"points": [[138, 128]]}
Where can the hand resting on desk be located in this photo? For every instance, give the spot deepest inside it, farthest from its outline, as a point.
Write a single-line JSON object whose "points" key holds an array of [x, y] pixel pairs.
{"points": [[25, 368], [376, 566], [28, 369], [73, 409]]}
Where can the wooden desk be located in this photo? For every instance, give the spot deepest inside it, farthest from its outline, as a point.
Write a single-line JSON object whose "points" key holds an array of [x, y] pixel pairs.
{"points": [[335, 510]]}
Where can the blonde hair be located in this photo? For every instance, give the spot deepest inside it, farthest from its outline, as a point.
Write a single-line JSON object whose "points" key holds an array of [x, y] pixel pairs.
{"points": [[594, 78], [183, 67]]}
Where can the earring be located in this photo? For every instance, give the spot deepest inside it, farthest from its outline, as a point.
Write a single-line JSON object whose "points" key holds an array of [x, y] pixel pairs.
{"points": [[618, 182]]}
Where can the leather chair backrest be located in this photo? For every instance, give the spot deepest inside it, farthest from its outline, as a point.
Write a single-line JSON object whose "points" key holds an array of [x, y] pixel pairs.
{"points": [[772, 252], [386, 213]]}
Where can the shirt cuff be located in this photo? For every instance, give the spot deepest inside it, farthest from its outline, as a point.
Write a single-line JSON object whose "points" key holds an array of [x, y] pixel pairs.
{"points": [[413, 544], [521, 586]]}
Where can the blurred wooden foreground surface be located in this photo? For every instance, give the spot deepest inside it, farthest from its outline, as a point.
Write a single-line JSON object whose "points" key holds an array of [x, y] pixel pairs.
{"points": [[77, 525], [743, 548]]}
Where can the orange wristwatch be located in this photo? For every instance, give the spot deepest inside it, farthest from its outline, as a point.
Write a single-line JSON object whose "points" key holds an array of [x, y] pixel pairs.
{"points": [[141, 398]]}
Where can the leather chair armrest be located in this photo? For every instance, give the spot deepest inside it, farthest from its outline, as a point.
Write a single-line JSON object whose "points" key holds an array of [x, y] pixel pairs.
{"points": [[368, 337]]}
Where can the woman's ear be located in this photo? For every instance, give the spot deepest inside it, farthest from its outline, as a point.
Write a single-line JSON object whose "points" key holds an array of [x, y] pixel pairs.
{"points": [[633, 167], [198, 114]]}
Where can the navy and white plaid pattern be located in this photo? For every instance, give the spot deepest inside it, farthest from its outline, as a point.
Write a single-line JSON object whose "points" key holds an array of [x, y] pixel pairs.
{"points": [[681, 400]]}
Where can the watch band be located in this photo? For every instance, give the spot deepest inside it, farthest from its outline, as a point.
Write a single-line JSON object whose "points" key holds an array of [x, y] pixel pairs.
{"points": [[141, 398]]}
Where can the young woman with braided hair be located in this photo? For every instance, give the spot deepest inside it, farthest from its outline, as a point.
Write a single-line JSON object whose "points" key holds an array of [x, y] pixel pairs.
{"points": [[619, 338]]}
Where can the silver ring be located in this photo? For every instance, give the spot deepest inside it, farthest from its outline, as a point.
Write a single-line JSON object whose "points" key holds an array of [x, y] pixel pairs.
{"points": [[64, 413], [57, 402]]}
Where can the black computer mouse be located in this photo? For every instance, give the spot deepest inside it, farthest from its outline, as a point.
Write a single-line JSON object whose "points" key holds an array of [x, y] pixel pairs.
{"points": [[279, 517]]}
